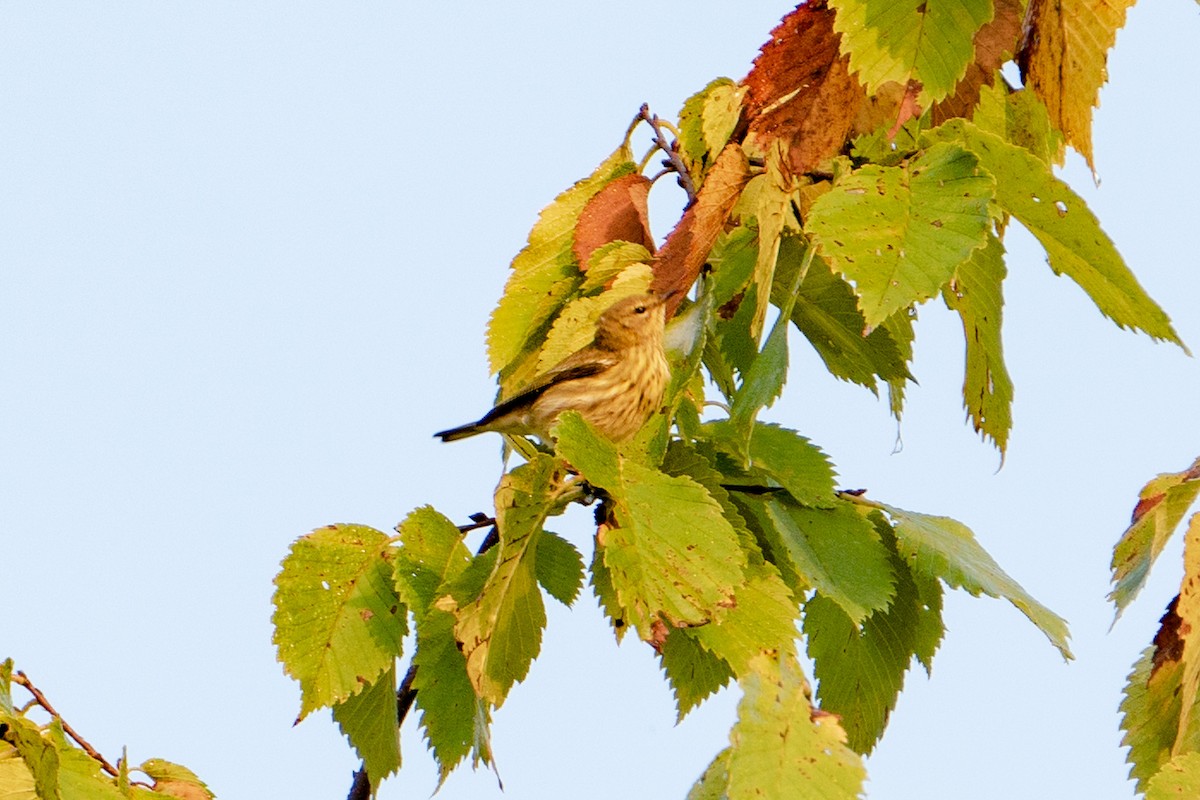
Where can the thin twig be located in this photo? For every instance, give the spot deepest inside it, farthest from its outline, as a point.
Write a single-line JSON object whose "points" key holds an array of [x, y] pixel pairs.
{"points": [[674, 160], [406, 695], [21, 679]]}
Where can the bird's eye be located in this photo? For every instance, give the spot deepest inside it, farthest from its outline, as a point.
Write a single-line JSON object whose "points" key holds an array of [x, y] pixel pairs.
{"points": [[640, 310]]}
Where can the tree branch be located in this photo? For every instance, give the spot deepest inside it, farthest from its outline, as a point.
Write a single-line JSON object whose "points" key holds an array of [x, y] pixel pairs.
{"points": [[21, 679], [673, 162]]}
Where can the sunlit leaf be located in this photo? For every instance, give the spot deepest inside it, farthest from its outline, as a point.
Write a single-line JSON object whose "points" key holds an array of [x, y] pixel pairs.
{"points": [[900, 232], [1162, 504], [672, 555], [1066, 228], [338, 620], [946, 549], [928, 41], [780, 750]]}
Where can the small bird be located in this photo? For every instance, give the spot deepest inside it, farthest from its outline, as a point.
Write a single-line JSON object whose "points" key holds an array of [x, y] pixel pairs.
{"points": [[615, 383]]}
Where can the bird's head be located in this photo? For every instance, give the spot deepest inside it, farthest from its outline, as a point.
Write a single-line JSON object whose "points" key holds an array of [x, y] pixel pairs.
{"points": [[633, 320]]}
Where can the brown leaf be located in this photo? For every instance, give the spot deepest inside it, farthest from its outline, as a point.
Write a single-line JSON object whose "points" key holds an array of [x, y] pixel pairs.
{"points": [[909, 108], [616, 212], [687, 248], [800, 89], [995, 43]]}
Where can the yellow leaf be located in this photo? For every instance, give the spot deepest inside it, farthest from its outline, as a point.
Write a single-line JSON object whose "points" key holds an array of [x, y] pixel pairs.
{"points": [[1064, 60]]}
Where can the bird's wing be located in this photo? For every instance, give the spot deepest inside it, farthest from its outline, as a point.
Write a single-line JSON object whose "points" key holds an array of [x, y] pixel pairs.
{"points": [[580, 364]]}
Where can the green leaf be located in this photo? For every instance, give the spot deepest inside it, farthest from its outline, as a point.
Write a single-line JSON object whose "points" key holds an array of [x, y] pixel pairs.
{"points": [[946, 549], [544, 273], [433, 562], [602, 587], [686, 459], [826, 312], [694, 672], [40, 756], [714, 783], [779, 751], [837, 551], [1150, 709], [1178, 778], [901, 327], [673, 555], [732, 262], [738, 347], [1162, 504], [1074, 243], [929, 41], [860, 670], [432, 553], [707, 121], [763, 620], [559, 567], [501, 630], [610, 260], [338, 620], [6, 701], [450, 712], [763, 382], [975, 293], [369, 721], [1020, 118], [900, 232], [796, 463], [80, 775]]}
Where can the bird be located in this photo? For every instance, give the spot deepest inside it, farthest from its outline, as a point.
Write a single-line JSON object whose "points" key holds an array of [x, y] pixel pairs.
{"points": [[615, 383]]}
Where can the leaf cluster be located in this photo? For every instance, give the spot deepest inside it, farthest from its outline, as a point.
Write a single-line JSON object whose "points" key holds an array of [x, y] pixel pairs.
{"points": [[872, 161], [1161, 706]]}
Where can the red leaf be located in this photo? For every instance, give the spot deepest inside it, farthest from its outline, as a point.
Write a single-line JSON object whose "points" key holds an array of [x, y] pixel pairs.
{"points": [[616, 212], [800, 89]]}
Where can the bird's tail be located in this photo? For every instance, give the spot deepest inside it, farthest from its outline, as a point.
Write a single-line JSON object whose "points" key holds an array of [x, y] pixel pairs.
{"points": [[461, 432]]}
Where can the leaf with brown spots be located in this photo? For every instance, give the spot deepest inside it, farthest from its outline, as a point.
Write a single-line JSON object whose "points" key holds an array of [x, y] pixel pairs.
{"points": [[801, 91], [1159, 510], [1188, 610], [339, 623], [1150, 708], [1063, 59], [500, 630], [615, 213]]}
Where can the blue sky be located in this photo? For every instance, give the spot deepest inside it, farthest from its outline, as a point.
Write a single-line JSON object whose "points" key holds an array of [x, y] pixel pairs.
{"points": [[247, 254]]}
